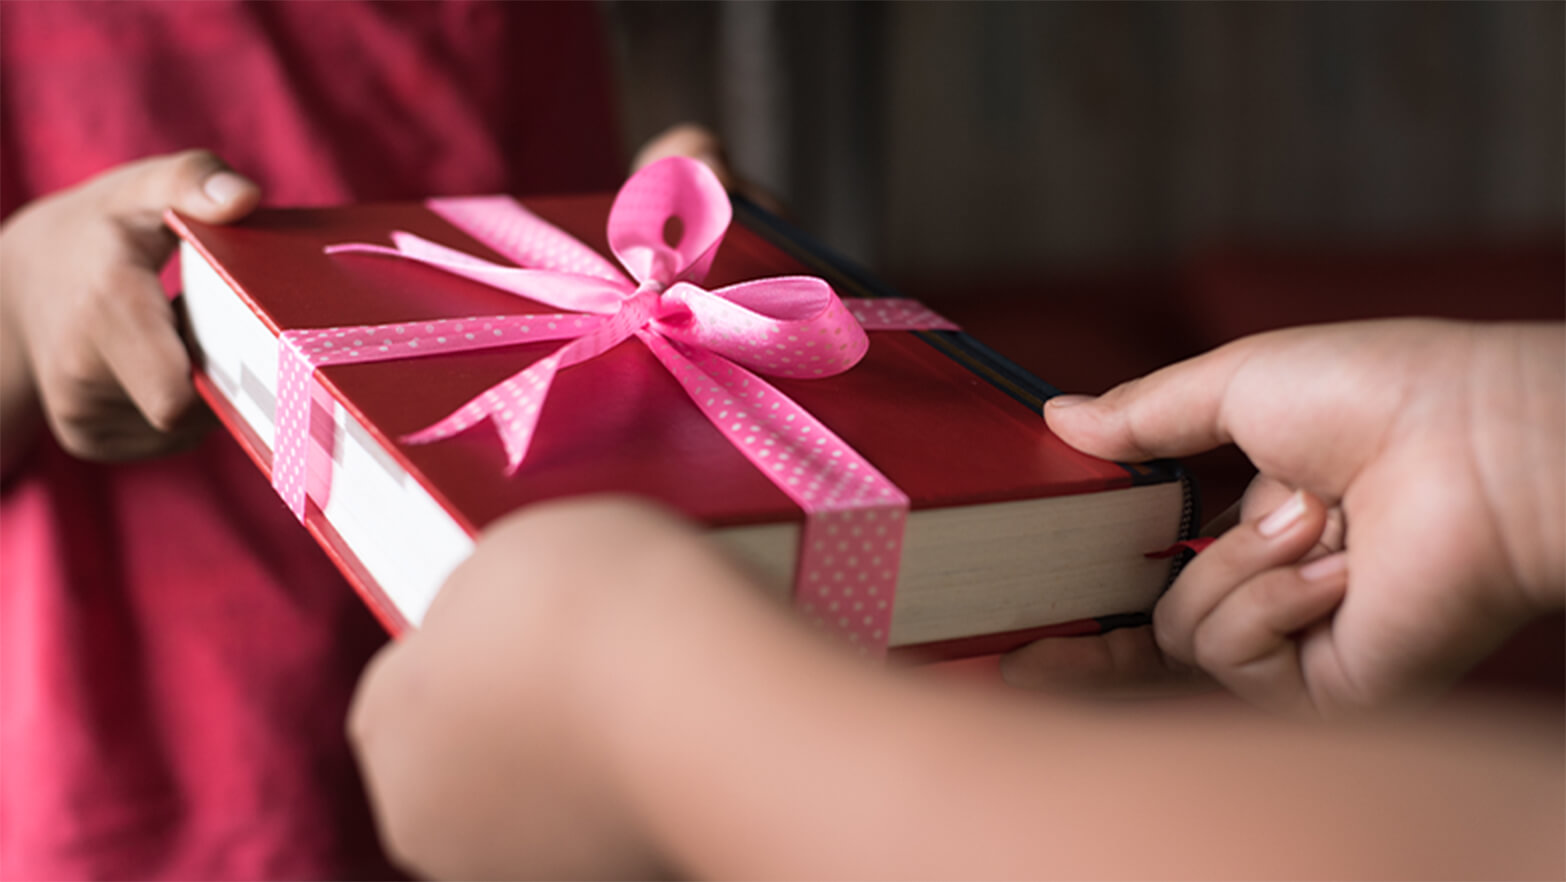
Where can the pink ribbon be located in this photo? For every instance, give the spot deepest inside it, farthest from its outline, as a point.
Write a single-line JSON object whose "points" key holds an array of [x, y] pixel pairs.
{"points": [[714, 342]]}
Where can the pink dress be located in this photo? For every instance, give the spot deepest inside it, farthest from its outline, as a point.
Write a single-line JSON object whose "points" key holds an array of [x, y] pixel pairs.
{"points": [[176, 655]]}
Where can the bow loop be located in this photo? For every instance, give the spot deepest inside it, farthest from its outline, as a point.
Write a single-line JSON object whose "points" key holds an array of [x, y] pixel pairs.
{"points": [[668, 220], [790, 326]]}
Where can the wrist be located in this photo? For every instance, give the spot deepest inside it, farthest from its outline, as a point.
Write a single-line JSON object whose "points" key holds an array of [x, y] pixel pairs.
{"points": [[1519, 432]]}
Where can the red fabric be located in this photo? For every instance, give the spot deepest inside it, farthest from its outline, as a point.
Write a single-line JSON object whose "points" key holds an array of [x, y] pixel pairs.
{"points": [[176, 655]]}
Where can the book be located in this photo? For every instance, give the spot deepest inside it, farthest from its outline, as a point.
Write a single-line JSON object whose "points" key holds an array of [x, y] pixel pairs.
{"points": [[1011, 534]]}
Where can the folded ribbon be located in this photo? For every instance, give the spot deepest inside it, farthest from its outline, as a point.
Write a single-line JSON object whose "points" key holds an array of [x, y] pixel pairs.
{"points": [[665, 228]]}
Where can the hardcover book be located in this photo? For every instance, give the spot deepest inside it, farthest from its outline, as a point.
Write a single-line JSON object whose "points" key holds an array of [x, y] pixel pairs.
{"points": [[1009, 535]]}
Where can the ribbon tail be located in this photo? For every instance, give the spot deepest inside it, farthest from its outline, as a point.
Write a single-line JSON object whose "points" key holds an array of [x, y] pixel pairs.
{"points": [[562, 290], [505, 225], [513, 405], [851, 544]]}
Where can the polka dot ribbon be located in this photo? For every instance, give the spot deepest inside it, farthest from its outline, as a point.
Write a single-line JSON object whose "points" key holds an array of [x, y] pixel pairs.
{"points": [[665, 227]]}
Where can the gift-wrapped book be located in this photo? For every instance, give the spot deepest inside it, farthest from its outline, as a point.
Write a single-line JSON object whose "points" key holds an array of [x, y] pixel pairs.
{"points": [[410, 372]]}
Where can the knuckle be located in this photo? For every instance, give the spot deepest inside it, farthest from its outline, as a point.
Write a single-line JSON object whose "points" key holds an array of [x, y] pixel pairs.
{"points": [[80, 438], [1273, 590], [69, 373], [154, 182], [1210, 651], [187, 169], [124, 285], [76, 444], [167, 403], [1169, 632]]}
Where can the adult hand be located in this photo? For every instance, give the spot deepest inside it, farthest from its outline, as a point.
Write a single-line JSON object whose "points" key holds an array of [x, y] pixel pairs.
{"points": [[89, 333], [1408, 515]]}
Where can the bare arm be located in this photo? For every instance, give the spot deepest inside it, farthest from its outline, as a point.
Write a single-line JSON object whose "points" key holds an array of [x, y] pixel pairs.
{"points": [[571, 712]]}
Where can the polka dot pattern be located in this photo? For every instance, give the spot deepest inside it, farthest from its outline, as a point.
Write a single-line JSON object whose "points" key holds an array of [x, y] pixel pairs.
{"points": [[515, 403], [895, 314], [505, 225], [846, 577], [294, 396], [562, 290], [301, 352], [851, 545]]}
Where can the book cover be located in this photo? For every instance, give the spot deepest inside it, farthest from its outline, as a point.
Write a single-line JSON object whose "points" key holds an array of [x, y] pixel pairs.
{"points": [[1010, 531]]}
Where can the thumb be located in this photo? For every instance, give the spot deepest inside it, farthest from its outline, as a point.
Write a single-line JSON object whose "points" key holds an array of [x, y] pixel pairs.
{"points": [[1174, 411], [194, 182]]}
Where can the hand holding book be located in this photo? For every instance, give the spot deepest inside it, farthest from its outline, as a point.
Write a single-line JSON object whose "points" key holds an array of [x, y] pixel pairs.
{"points": [[90, 337], [1407, 517]]}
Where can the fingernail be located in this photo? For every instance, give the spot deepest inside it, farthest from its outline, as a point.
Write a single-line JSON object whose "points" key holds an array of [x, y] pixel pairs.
{"points": [[1060, 401], [1323, 568], [1284, 516], [224, 187]]}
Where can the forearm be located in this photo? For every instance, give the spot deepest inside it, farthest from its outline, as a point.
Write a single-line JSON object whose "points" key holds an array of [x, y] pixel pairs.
{"points": [[746, 750]]}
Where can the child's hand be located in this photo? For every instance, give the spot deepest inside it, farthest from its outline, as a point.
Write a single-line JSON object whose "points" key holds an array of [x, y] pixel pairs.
{"points": [[89, 333], [1436, 453]]}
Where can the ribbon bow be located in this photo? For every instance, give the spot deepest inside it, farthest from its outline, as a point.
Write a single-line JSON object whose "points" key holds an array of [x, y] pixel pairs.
{"points": [[665, 228]]}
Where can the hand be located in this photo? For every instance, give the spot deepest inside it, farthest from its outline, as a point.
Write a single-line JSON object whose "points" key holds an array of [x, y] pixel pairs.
{"points": [[478, 732], [89, 333], [1407, 518]]}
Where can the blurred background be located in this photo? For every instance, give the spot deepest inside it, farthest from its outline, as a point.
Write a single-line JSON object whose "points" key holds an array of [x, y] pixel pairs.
{"points": [[1098, 189], [937, 138]]}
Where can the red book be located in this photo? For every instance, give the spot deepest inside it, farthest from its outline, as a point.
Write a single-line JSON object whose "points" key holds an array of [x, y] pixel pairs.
{"points": [[1011, 534]]}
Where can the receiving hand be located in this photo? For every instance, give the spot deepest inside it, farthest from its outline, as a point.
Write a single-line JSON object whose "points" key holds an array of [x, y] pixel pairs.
{"points": [[1408, 516], [478, 732], [89, 333]]}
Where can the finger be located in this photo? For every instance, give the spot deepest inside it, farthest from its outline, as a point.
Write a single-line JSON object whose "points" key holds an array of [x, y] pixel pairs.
{"points": [[141, 347], [1249, 642], [1265, 494], [1280, 538], [1122, 663], [105, 426], [195, 182], [1175, 411]]}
